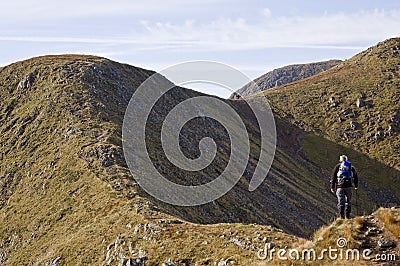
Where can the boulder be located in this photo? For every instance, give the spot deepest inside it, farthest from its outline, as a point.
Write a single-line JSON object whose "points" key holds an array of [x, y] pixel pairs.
{"points": [[136, 262], [332, 102], [26, 82], [379, 135], [54, 262], [353, 125], [386, 243], [346, 111], [169, 263], [360, 102]]}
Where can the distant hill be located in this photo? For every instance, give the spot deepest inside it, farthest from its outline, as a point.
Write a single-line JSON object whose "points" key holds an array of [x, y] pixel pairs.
{"points": [[284, 75]]}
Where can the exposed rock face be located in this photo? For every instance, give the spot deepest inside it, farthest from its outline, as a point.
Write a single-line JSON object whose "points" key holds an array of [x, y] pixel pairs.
{"points": [[285, 75]]}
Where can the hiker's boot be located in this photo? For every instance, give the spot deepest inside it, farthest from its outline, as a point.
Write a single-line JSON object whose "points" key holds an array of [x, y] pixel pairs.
{"points": [[341, 212], [348, 211]]}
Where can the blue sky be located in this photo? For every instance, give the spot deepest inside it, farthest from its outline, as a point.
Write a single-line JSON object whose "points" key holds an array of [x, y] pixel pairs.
{"points": [[253, 36]]}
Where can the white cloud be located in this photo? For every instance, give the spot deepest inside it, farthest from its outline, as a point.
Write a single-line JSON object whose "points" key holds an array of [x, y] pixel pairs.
{"points": [[330, 31], [267, 12], [336, 31]]}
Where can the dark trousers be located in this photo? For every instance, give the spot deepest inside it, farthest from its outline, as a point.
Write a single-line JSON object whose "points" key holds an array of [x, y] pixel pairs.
{"points": [[344, 201]]}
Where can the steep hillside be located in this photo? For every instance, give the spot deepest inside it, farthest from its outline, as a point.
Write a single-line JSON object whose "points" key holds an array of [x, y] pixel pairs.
{"points": [[66, 193], [284, 75], [356, 104], [68, 198]]}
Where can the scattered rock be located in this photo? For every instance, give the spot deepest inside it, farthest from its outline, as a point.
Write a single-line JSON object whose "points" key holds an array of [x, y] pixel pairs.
{"points": [[390, 130], [386, 243], [122, 262], [169, 263], [346, 111], [132, 251], [110, 156], [136, 262], [353, 125], [179, 232], [379, 135], [270, 245], [3, 257], [142, 253], [236, 241], [332, 102], [53, 262], [345, 135], [222, 262], [119, 241], [137, 228], [360, 102], [107, 154], [26, 83], [163, 221], [395, 118], [373, 231], [147, 228]]}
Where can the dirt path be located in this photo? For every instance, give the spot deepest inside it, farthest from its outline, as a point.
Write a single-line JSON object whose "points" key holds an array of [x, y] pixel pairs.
{"points": [[384, 245]]}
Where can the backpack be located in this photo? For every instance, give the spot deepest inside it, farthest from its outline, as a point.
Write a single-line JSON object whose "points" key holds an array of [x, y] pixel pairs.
{"points": [[345, 170]]}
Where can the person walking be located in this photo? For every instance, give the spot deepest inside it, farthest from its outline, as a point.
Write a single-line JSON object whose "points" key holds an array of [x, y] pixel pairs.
{"points": [[342, 178]]}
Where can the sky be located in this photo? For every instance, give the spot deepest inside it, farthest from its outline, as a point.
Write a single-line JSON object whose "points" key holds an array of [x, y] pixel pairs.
{"points": [[252, 36]]}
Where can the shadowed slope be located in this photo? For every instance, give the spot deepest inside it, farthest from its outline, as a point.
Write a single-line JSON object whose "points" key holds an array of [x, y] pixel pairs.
{"points": [[66, 190]]}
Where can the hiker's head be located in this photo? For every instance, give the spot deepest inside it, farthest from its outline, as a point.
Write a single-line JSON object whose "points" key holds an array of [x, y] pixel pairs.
{"points": [[342, 158]]}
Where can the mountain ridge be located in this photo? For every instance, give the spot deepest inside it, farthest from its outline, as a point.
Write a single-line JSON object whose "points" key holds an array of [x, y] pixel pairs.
{"points": [[67, 194], [284, 75], [366, 118]]}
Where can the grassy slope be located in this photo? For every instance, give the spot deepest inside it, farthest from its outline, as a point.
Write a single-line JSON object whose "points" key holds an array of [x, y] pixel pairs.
{"points": [[52, 200], [373, 75], [66, 192], [58, 135]]}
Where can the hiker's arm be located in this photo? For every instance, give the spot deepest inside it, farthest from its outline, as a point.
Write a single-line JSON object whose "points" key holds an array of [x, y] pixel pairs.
{"points": [[355, 177], [333, 177]]}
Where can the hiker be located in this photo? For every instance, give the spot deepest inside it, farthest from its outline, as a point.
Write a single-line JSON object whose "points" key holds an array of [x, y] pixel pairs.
{"points": [[342, 178]]}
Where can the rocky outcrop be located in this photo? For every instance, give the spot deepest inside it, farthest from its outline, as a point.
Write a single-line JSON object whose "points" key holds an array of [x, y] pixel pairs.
{"points": [[283, 76]]}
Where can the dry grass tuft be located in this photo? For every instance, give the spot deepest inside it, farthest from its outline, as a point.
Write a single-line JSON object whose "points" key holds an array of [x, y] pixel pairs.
{"points": [[391, 219], [359, 221]]}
